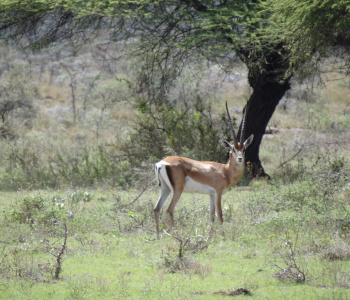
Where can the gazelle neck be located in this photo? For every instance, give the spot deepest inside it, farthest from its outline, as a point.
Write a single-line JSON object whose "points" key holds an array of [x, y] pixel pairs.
{"points": [[235, 169]]}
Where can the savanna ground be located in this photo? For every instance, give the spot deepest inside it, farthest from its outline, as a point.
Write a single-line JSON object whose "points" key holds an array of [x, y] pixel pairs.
{"points": [[77, 219]]}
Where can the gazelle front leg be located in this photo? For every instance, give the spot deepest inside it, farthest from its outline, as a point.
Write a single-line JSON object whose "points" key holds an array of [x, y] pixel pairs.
{"points": [[212, 207], [218, 206]]}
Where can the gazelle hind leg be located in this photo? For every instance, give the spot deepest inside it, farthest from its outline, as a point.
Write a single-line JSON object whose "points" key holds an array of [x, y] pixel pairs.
{"points": [[164, 193], [164, 190], [174, 200]]}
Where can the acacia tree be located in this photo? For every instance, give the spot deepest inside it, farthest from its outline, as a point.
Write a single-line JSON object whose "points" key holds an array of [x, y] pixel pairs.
{"points": [[172, 32], [169, 34], [313, 30]]}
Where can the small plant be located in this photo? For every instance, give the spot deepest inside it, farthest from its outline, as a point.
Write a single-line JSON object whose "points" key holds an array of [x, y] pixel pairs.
{"points": [[187, 239], [183, 241], [77, 197], [292, 268], [58, 253]]}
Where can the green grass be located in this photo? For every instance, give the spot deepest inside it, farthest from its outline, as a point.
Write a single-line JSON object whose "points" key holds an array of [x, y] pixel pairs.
{"points": [[132, 273], [297, 222], [112, 251]]}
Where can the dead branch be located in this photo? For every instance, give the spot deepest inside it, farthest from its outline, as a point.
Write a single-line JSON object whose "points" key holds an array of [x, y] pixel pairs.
{"points": [[58, 267], [291, 158]]}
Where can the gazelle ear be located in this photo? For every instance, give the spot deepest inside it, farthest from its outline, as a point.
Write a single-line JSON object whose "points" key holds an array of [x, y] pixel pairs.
{"points": [[228, 145], [248, 141]]}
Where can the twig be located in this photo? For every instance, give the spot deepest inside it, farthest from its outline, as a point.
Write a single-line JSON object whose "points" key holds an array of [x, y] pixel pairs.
{"points": [[182, 240], [144, 189], [59, 256], [291, 158], [167, 233]]}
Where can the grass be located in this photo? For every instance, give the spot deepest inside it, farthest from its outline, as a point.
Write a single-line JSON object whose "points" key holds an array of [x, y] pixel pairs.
{"points": [[283, 239], [112, 251], [286, 238]]}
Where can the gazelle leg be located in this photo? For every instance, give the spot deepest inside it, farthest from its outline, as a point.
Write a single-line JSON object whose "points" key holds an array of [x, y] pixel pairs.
{"points": [[174, 200], [212, 208], [218, 207], [164, 193]]}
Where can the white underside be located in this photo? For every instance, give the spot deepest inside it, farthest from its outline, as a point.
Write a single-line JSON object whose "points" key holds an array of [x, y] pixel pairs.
{"points": [[192, 186]]}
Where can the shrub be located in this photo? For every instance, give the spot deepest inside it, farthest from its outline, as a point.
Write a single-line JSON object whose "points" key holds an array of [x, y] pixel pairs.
{"points": [[177, 130], [32, 165], [36, 210]]}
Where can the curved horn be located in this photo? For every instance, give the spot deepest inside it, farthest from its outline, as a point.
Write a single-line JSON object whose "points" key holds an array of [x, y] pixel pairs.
{"points": [[235, 142], [243, 123]]}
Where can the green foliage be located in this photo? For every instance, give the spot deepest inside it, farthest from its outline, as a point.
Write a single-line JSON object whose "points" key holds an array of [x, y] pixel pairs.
{"points": [[312, 27], [36, 211], [30, 166], [187, 131], [210, 22], [170, 32]]}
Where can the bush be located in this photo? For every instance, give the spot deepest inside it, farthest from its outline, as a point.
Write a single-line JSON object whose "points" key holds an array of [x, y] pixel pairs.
{"points": [[32, 165], [36, 210], [177, 130]]}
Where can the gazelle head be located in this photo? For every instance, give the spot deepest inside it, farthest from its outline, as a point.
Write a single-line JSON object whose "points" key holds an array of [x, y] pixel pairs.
{"points": [[237, 149]]}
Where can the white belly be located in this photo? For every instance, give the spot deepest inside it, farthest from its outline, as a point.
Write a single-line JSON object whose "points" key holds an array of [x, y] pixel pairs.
{"points": [[192, 186]]}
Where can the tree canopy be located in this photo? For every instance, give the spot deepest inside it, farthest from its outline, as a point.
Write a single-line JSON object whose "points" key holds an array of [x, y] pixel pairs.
{"points": [[313, 29], [210, 27]]}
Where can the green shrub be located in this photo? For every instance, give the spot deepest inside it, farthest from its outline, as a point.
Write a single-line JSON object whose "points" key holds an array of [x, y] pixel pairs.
{"points": [[190, 131], [31, 165], [36, 210]]}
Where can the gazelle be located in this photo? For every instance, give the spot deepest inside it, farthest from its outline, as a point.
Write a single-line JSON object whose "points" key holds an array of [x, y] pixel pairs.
{"points": [[177, 175]]}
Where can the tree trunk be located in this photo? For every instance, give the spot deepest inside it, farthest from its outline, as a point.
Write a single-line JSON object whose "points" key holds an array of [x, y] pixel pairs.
{"points": [[267, 92]]}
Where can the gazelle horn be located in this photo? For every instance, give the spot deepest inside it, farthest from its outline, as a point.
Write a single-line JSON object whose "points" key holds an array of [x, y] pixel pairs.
{"points": [[243, 123], [235, 142]]}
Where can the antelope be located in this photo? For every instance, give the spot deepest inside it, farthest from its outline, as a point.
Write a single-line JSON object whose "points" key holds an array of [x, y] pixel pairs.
{"points": [[177, 175]]}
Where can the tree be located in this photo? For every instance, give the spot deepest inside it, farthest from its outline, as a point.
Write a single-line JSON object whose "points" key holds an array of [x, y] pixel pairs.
{"points": [[169, 34], [313, 30]]}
